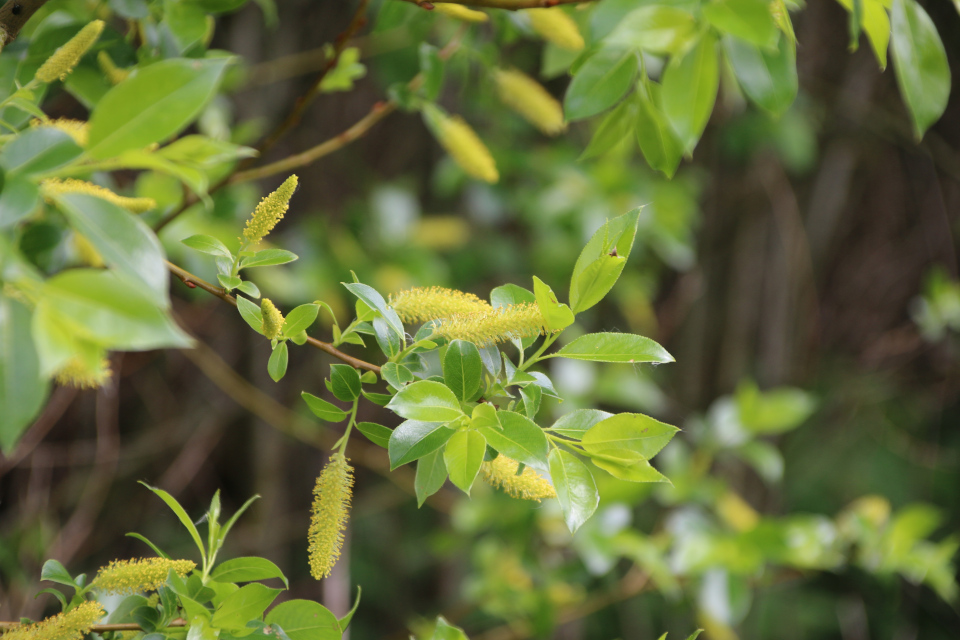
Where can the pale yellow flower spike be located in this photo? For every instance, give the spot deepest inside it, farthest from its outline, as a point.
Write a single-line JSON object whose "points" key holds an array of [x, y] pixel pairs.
{"points": [[75, 373], [460, 12], [502, 472], [527, 97], [493, 326], [462, 143], [555, 26], [422, 304], [76, 129], [72, 625], [114, 74], [55, 186], [270, 211], [138, 575], [272, 318], [331, 507], [62, 62]]}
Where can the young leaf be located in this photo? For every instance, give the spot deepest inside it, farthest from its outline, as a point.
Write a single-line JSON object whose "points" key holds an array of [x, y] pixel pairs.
{"points": [[323, 409], [575, 486], [18, 199], [614, 239], [305, 620], [532, 395], [372, 298], [345, 382], [629, 470], [22, 389], [749, 20], [345, 620], [768, 78], [268, 258], [920, 63], [690, 89], [520, 439], [659, 144], [485, 415], [247, 569], [600, 83], [627, 436], [576, 423], [431, 474], [463, 456], [157, 550], [556, 316], [250, 289], [387, 339], [247, 603], [229, 282], [617, 126], [462, 369], [446, 631], [396, 375], [181, 515], [251, 313], [54, 571], [277, 365], [614, 347], [426, 401], [654, 28], [38, 150], [208, 245], [300, 318], [375, 433], [414, 439]]}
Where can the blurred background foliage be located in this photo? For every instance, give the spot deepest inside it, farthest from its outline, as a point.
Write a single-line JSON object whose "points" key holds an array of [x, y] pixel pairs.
{"points": [[802, 270]]}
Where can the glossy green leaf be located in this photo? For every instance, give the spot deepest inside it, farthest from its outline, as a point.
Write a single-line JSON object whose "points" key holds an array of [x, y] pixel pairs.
{"points": [[629, 470], [374, 300], [229, 282], [345, 382], [749, 20], [659, 144], [431, 474], [375, 433], [277, 364], [396, 375], [426, 401], [300, 318], [462, 369], [508, 294], [153, 105], [54, 571], [520, 438], [576, 423], [599, 84], [380, 399], [617, 126], [627, 436], [246, 604], [345, 620], [876, 24], [323, 409], [463, 455], [655, 28], [413, 439], [251, 313], [769, 78], [253, 291], [615, 347], [575, 486], [246, 569], [124, 241], [446, 631], [689, 91], [38, 150], [18, 200], [208, 245], [305, 620], [556, 315], [22, 389], [181, 515], [268, 258], [485, 415], [920, 63], [532, 396], [614, 237]]}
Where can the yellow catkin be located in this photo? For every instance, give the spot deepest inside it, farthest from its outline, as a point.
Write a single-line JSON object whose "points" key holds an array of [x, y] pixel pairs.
{"points": [[421, 304], [270, 211], [331, 507], [736, 512], [554, 25], [114, 74], [72, 625], [64, 59], [502, 472], [76, 373], [496, 325], [527, 97], [272, 318], [139, 574], [460, 12], [463, 145], [76, 129], [55, 187]]}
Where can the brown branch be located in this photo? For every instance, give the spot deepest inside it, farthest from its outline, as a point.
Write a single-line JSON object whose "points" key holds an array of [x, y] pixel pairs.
{"points": [[14, 14], [509, 5], [193, 282]]}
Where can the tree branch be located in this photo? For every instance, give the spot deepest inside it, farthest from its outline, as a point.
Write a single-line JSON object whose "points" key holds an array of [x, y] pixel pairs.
{"points": [[14, 14], [509, 5], [194, 282]]}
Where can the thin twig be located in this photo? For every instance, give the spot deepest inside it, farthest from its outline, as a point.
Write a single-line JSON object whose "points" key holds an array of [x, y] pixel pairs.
{"points": [[193, 281]]}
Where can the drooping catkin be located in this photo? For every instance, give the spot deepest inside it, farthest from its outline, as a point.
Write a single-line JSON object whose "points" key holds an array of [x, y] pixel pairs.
{"points": [[527, 97], [272, 318], [555, 26], [495, 325], [331, 507], [139, 574], [76, 129], [270, 211], [55, 186], [422, 304], [460, 12], [462, 143], [502, 472], [115, 75], [64, 59], [78, 374], [72, 625]]}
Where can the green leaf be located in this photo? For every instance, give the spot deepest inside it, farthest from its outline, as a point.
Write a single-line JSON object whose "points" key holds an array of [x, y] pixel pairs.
{"points": [[157, 550], [380, 399], [445, 631], [277, 365], [749, 20], [202, 151], [599, 84], [431, 474], [251, 313], [556, 316], [695, 634], [38, 150], [154, 104], [56, 593], [268, 258], [229, 282], [246, 569], [305, 620], [532, 396], [614, 347], [396, 375], [431, 66], [22, 389], [576, 423], [300, 318], [575, 486], [323, 409], [426, 401], [375, 433], [520, 439], [374, 300], [768, 78], [246, 604], [617, 126], [654, 28], [54, 571], [463, 456], [689, 91], [345, 620], [659, 144], [208, 245], [345, 382], [253, 291], [920, 63], [614, 237], [181, 515], [774, 411], [485, 415], [508, 294], [462, 369], [627, 436], [414, 439], [18, 200], [124, 241], [876, 23], [629, 470]]}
